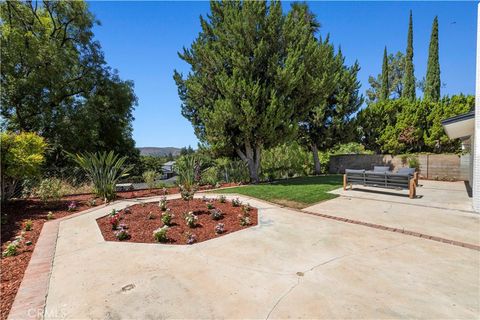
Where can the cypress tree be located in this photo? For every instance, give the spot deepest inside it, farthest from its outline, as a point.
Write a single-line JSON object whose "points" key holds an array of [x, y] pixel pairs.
{"points": [[385, 89], [432, 83], [409, 78]]}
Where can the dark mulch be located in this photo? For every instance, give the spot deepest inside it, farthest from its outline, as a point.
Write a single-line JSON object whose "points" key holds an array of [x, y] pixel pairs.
{"points": [[141, 228], [19, 211]]}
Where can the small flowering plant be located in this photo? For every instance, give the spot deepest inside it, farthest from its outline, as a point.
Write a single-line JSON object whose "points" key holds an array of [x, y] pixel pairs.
{"points": [[127, 210], [92, 203], [246, 208], [114, 221], [216, 214], [167, 217], [210, 206], [236, 202], [28, 225], [163, 203], [72, 206], [114, 212], [11, 249], [219, 228], [160, 234], [191, 238], [150, 216], [204, 199], [122, 233], [50, 215], [191, 219], [222, 199], [244, 219]]}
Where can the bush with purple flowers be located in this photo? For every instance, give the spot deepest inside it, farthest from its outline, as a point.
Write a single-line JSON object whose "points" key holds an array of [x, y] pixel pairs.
{"points": [[72, 206], [191, 238], [219, 228], [216, 214]]}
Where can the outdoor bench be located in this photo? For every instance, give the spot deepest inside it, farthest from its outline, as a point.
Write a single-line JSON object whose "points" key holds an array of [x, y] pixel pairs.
{"points": [[381, 180]]}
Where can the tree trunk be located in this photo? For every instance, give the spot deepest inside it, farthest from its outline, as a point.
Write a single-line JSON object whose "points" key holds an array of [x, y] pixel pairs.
{"points": [[316, 160], [252, 157]]}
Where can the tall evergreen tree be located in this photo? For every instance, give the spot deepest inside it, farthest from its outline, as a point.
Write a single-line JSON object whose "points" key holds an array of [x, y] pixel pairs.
{"points": [[247, 68], [409, 79], [385, 89], [432, 82]]}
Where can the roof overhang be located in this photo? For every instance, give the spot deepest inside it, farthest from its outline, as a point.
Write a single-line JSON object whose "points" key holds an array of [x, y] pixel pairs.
{"points": [[461, 126]]}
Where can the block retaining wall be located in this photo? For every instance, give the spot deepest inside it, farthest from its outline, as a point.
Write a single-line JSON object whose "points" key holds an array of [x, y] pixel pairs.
{"points": [[449, 167]]}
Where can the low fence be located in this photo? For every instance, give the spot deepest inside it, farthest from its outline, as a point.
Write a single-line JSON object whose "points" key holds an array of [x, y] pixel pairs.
{"points": [[450, 167]]}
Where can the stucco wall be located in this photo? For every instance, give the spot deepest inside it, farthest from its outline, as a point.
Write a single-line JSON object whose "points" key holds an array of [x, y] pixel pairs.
{"points": [[432, 166]]}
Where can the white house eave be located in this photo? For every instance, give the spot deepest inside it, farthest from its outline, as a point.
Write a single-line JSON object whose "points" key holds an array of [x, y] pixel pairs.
{"points": [[463, 128]]}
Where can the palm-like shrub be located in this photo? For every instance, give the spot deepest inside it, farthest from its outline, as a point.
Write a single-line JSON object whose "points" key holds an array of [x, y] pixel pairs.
{"points": [[104, 170], [188, 170]]}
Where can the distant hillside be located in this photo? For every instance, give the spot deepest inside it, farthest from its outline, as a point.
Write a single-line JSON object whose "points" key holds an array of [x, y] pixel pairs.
{"points": [[156, 151]]}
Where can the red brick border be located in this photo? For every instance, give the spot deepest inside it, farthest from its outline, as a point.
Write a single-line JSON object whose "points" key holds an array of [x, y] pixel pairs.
{"points": [[31, 296]]}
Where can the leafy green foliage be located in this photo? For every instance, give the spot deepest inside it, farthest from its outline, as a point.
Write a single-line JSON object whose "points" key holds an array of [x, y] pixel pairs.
{"points": [[432, 82], [188, 170], [286, 161], [396, 73], [385, 88], [50, 189], [409, 84], [150, 177], [246, 65], [55, 81], [22, 156], [104, 170], [402, 126]]}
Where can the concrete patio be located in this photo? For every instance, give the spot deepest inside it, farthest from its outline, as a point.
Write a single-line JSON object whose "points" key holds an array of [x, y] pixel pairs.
{"points": [[290, 265], [441, 209]]}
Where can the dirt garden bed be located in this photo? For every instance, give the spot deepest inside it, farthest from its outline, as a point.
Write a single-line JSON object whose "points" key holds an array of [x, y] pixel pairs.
{"points": [[16, 213], [141, 220]]}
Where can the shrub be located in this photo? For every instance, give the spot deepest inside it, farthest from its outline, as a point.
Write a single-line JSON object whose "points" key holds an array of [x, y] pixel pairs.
{"points": [[122, 234], [244, 220], [219, 228], [167, 217], [113, 212], [210, 176], [191, 219], [28, 225], [210, 205], [216, 214], [104, 170], [188, 169], [50, 189], [11, 249], [22, 156], [50, 216], [92, 203], [246, 208], [191, 238], [150, 178], [72, 206], [160, 234], [236, 202], [222, 199], [163, 203], [114, 220]]}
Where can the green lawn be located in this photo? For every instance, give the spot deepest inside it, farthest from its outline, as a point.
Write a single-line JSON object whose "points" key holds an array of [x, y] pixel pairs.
{"points": [[295, 192]]}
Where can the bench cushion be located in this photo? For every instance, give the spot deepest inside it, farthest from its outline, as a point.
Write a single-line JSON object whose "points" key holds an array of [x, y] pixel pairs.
{"points": [[381, 169], [354, 171], [407, 171]]}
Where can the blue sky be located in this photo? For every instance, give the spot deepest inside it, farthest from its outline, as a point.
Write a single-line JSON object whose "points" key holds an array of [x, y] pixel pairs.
{"points": [[141, 40]]}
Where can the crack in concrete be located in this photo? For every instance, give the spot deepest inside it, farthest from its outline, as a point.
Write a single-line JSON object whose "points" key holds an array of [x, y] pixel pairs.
{"points": [[282, 297]]}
